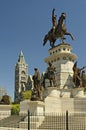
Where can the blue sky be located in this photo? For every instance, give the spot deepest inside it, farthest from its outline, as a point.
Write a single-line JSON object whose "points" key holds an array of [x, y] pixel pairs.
{"points": [[23, 25]]}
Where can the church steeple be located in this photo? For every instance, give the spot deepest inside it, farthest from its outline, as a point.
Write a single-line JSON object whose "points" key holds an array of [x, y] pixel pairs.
{"points": [[21, 77], [21, 58]]}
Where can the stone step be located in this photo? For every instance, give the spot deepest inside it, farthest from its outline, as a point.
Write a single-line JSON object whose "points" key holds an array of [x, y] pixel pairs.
{"points": [[35, 121], [60, 123], [56, 122], [12, 121]]}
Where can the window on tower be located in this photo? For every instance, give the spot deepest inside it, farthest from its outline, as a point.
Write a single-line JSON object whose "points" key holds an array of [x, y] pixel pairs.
{"points": [[23, 72]]}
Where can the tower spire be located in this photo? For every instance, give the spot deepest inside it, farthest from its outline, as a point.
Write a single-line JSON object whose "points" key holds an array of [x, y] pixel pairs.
{"points": [[21, 58]]}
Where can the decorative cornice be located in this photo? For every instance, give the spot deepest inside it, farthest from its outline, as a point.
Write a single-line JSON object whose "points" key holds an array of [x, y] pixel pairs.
{"points": [[60, 55]]}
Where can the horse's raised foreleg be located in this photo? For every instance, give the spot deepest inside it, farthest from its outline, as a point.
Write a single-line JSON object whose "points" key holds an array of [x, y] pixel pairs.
{"points": [[67, 33], [52, 41]]}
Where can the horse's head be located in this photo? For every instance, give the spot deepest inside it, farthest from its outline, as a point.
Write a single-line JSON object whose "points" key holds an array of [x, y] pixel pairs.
{"points": [[49, 37], [61, 19]]}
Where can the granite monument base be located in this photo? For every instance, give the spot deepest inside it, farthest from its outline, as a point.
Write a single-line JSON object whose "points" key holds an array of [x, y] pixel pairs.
{"points": [[61, 100], [34, 107]]}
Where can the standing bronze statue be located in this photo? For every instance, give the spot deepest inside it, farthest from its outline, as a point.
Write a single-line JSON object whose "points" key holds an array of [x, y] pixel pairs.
{"points": [[83, 79], [57, 31], [36, 78], [37, 90], [50, 74], [77, 79]]}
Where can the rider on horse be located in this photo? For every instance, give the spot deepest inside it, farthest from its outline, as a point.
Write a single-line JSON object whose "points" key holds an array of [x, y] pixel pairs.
{"points": [[57, 31]]}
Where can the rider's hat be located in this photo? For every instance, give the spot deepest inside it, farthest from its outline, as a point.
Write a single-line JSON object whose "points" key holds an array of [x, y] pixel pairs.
{"points": [[64, 14], [35, 69]]}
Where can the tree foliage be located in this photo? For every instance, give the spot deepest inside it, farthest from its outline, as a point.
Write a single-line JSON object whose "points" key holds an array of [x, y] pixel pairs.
{"points": [[26, 95], [15, 109]]}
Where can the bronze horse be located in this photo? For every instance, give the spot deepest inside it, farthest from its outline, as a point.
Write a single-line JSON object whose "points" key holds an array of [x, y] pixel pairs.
{"points": [[60, 31]]}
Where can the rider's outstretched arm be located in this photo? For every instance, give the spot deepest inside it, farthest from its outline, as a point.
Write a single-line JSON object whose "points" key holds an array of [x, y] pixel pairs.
{"points": [[53, 14]]}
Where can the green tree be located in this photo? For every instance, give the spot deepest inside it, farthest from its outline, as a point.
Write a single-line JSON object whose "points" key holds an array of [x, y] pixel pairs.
{"points": [[26, 95]]}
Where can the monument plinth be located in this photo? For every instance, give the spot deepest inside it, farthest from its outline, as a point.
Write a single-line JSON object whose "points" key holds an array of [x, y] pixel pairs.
{"points": [[34, 107], [62, 58], [60, 100]]}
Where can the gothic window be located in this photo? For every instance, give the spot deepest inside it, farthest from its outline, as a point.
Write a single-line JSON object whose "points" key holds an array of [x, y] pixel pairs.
{"points": [[23, 72]]}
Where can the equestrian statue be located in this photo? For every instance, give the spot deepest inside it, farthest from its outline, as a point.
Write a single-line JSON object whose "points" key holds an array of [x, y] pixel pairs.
{"points": [[58, 30]]}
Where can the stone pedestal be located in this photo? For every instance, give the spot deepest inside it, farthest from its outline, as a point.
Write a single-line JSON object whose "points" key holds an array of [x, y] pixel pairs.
{"points": [[5, 111], [34, 107], [62, 59], [61, 100]]}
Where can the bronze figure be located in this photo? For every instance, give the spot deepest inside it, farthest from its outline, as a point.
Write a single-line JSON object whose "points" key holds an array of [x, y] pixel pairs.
{"points": [[77, 79], [50, 74], [37, 90], [83, 79], [57, 31]]}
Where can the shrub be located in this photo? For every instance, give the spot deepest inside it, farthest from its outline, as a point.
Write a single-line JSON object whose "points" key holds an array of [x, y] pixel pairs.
{"points": [[15, 109]]}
